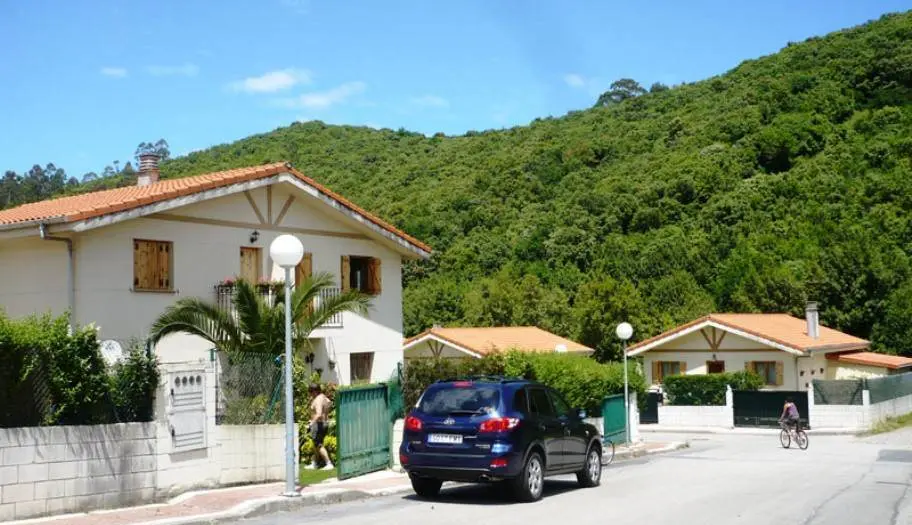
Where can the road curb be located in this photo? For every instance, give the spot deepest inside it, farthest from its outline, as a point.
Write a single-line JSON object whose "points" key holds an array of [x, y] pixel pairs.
{"points": [[273, 504], [749, 431], [624, 455]]}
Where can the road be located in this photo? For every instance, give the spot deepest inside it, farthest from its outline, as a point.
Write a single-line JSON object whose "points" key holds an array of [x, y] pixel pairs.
{"points": [[720, 479]]}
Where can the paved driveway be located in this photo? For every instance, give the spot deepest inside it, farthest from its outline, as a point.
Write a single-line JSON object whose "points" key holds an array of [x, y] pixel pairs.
{"points": [[721, 479]]}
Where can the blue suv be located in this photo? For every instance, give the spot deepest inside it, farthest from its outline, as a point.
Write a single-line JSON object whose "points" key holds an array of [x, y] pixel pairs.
{"points": [[486, 429]]}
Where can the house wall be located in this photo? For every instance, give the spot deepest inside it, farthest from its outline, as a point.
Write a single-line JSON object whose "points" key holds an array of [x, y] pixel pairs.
{"points": [[33, 275], [813, 367], [839, 370], [734, 360]]}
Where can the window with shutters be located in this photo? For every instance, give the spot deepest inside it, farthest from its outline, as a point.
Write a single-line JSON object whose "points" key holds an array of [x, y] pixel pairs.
{"points": [[361, 273], [663, 369], [361, 365], [769, 371], [152, 265]]}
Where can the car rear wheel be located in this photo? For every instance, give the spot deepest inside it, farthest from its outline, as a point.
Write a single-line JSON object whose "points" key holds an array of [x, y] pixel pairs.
{"points": [[425, 487], [591, 475], [528, 485]]}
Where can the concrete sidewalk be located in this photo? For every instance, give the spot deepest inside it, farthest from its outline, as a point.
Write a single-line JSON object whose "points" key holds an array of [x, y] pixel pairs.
{"points": [[209, 506], [660, 429]]}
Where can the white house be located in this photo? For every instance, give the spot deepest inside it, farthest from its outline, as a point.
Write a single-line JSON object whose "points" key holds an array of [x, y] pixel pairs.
{"points": [[787, 352], [119, 257]]}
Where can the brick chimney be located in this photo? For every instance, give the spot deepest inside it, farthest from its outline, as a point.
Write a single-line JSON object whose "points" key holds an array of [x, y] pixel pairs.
{"points": [[148, 169], [813, 324]]}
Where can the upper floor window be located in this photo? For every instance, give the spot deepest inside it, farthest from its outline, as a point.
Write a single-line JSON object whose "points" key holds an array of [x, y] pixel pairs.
{"points": [[152, 265], [361, 273]]}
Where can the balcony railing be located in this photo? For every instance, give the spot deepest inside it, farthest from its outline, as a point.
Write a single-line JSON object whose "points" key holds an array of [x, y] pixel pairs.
{"points": [[224, 298]]}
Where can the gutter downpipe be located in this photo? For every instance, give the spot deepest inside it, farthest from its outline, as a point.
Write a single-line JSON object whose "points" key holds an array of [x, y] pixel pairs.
{"points": [[71, 273]]}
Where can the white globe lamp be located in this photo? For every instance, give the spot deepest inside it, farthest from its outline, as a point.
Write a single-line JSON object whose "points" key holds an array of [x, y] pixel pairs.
{"points": [[624, 331], [287, 251]]}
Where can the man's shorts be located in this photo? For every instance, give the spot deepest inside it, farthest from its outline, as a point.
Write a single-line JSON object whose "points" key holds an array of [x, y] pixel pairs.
{"points": [[318, 432]]}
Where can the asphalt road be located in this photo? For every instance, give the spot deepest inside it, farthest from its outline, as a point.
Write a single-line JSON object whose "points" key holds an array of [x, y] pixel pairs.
{"points": [[721, 479]]}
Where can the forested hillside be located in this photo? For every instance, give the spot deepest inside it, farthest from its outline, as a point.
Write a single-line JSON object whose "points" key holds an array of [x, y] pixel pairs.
{"points": [[786, 179]]}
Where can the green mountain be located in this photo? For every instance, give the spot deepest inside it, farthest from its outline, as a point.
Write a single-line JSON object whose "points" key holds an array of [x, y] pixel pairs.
{"points": [[786, 179]]}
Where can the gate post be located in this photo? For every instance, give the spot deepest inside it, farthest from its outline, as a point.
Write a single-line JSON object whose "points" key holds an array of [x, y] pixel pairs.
{"points": [[633, 417], [730, 405], [811, 404]]}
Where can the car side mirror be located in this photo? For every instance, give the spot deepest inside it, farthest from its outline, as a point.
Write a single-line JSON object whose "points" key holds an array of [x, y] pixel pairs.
{"points": [[581, 413]]}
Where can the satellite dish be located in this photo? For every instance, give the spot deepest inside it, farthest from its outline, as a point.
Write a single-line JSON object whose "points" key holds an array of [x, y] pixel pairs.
{"points": [[111, 351], [560, 348]]}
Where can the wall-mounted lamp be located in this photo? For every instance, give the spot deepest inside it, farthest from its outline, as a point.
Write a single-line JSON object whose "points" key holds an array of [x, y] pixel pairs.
{"points": [[254, 236], [714, 357]]}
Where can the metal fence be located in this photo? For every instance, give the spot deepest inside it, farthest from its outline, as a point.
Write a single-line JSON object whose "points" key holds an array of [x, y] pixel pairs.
{"points": [[249, 389], [889, 387], [838, 391], [224, 298]]}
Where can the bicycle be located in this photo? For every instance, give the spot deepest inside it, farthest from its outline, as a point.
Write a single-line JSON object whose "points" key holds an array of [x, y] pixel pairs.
{"points": [[607, 451], [787, 433]]}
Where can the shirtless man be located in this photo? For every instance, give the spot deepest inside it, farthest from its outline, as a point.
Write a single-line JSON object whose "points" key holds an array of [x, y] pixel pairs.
{"points": [[319, 423]]}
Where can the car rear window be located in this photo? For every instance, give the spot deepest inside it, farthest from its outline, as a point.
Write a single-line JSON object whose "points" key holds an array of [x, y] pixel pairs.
{"points": [[447, 400]]}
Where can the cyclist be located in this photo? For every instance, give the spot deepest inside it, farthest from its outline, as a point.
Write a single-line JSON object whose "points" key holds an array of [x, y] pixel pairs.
{"points": [[790, 414]]}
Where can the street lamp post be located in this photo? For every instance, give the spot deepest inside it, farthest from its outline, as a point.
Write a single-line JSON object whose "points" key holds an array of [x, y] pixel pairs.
{"points": [[287, 251], [624, 331]]}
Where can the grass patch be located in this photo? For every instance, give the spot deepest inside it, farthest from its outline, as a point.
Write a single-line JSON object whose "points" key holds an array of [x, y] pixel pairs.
{"points": [[312, 477], [891, 423]]}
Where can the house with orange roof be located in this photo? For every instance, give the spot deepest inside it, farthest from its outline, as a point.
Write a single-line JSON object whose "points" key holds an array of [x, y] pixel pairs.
{"points": [[787, 352], [119, 257], [476, 342]]}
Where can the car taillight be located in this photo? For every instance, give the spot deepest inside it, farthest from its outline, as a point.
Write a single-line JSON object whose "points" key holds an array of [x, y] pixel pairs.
{"points": [[499, 463], [413, 424], [403, 459], [498, 424]]}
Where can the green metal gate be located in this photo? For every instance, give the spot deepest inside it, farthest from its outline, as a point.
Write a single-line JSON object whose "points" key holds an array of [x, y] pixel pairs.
{"points": [[614, 418], [364, 429]]}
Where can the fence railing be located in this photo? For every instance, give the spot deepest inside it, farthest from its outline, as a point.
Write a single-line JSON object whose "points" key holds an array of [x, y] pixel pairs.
{"points": [[225, 293]]}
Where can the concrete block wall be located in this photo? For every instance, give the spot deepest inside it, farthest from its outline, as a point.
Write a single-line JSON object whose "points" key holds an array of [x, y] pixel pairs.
{"points": [[51, 470], [854, 417], [697, 416], [252, 453], [877, 412], [398, 428]]}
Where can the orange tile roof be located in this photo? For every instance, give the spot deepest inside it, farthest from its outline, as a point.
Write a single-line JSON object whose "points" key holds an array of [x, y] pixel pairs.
{"points": [[892, 362], [484, 340], [91, 205], [783, 329]]}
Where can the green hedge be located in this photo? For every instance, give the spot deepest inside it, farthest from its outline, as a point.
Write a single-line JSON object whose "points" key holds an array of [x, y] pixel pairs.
{"points": [[708, 389], [583, 381], [51, 377]]}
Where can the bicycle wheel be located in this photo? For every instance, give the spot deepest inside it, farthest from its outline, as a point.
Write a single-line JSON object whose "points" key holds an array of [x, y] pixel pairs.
{"points": [[608, 451], [785, 438], [802, 439]]}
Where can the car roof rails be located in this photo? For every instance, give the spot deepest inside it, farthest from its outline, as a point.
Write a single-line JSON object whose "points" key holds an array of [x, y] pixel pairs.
{"points": [[482, 378]]}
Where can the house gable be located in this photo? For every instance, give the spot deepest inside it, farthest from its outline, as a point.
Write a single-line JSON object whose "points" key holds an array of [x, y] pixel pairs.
{"points": [[690, 335]]}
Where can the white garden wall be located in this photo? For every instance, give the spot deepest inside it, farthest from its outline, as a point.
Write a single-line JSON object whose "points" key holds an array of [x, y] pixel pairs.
{"points": [[696, 416], [892, 408], [53, 470]]}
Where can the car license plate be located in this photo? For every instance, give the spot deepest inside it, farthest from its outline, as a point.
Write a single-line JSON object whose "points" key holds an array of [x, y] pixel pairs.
{"points": [[448, 439]]}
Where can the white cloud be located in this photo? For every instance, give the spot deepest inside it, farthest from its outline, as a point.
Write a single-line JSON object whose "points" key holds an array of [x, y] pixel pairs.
{"points": [[272, 81], [116, 72], [574, 80], [325, 99], [187, 70], [431, 101]]}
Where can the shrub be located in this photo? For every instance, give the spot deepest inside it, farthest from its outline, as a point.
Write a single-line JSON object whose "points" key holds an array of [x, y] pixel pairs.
{"points": [[49, 376], [583, 381], [709, 389], [134, 381]]}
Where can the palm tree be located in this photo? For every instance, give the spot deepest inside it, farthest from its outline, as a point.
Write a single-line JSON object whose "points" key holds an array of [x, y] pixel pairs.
{"points": [[258, 325]]}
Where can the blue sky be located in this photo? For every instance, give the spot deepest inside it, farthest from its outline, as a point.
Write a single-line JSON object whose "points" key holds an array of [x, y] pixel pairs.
{"points": [[84, 82]]}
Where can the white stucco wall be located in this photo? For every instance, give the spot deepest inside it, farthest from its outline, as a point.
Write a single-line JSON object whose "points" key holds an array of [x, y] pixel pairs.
{"points": [[696, 416], [839, 370], [735, 360], [33, 275]]}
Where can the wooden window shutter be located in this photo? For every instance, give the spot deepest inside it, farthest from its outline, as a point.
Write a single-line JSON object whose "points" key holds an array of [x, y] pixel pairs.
{"points": [[373, 275], [780, 372], [346, 273], [683, 368], [656, 371], [164, 266], [304, 270], [251, 264], [749, 366]]}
